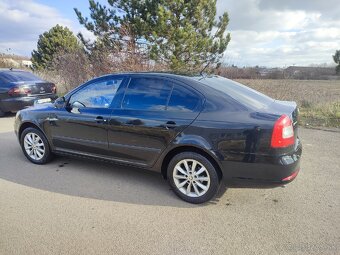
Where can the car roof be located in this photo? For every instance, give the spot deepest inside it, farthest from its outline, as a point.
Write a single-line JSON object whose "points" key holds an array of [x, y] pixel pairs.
{"points": [[17, 75], [176, 76], [11, 70], [163, 74]]}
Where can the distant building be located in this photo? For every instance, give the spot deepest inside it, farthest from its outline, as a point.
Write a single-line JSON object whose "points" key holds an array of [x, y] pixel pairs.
{"points": [[274, 73], [308, 73], [26, 63]]}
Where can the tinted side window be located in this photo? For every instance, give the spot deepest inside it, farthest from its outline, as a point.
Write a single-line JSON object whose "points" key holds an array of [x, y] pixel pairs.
{"points": [[147, 94], [241, 93], [96, 95], [183, 99]]}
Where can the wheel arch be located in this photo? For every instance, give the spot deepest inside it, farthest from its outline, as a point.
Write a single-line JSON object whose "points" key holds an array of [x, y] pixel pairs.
{"points": [[26, 125], [188, 148]]}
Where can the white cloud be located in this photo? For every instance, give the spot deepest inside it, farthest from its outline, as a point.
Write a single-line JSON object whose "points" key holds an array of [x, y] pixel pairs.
{"points": [[21, 23], [281, 33], [264, 32]]}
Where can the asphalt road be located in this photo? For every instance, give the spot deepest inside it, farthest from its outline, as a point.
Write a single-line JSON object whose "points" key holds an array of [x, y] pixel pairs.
{"points": [[73, 206]]}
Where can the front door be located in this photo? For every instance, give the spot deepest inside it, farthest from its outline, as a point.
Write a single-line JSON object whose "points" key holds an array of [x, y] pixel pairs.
{"points": [[82, 126]]}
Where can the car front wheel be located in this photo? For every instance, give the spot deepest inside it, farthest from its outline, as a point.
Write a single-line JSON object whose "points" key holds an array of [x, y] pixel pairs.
{"points": [[192, 177], [35, 146]]}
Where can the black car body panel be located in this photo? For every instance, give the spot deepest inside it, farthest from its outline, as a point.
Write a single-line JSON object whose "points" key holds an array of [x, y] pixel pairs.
{"points": [[29, 89], [232, 126]]}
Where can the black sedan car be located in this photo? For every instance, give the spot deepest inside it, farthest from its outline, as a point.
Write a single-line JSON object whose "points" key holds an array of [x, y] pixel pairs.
{"points": [[195, 131], [19, 89]]}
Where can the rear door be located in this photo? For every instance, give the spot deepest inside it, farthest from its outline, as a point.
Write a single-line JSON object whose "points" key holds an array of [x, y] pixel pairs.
{"points": [[153, 111]]}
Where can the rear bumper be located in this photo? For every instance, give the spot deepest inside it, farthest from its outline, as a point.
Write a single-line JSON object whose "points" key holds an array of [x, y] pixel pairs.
{"points": [[15, 104], [264, 171]]}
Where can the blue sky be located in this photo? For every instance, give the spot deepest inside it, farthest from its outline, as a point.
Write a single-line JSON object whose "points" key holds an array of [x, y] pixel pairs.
{"points": [[65, 7], [263, 32]]}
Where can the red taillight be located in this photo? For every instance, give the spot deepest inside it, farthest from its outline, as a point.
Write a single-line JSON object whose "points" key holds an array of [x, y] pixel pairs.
{"points": [[14, 91], [283, 133], [19, 91]]}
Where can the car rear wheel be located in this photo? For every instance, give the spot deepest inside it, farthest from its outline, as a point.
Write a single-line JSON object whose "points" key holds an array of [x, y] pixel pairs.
{"points": [[192, 177], [35, 146]]}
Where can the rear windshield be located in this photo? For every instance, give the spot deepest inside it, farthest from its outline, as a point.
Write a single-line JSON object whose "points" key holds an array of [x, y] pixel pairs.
{"points": [[15, 76], [239, 92]]}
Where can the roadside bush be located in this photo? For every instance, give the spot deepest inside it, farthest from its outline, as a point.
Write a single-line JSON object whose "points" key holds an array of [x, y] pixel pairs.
{"points": [[69, 69], [3, 63], [72, 68], [327, 115], [306, 104]]}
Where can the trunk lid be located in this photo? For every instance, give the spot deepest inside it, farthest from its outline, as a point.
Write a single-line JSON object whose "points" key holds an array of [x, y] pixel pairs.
{"points": [[286, 107], [39, 88]]}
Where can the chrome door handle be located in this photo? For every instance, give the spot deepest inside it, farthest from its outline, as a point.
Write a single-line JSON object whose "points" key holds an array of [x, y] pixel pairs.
{"points": [[169, 125], [100, 119]]}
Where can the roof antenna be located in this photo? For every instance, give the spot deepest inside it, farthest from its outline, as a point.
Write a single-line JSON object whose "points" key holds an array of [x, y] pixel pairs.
{"points": [[201, 72]]}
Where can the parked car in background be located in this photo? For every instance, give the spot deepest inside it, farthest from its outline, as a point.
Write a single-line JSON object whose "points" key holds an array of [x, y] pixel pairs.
{"points": [[196, 131], [19, 89]]}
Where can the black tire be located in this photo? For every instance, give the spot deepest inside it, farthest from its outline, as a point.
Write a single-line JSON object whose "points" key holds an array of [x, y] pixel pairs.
{"points": [[210, 173], [47, 156]]}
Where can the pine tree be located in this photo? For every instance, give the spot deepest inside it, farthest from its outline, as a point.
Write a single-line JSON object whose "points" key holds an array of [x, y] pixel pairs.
{"points": [[106, 22], [51, 42], [185, 35]]}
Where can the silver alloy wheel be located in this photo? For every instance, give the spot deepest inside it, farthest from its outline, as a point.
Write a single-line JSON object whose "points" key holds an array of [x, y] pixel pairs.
{"points": [[191, 178], [34, 146]]}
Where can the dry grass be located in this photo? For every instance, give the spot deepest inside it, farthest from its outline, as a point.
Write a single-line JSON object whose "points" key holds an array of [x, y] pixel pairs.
{"points": [[319, 100]]}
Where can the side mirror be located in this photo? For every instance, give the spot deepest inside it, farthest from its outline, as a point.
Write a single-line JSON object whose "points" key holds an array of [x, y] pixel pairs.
{"points": [[60, 102]]}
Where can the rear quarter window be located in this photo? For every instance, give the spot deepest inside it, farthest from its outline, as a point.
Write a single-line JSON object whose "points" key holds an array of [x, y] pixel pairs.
{"points": [[240, 93], [182, 99]]}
